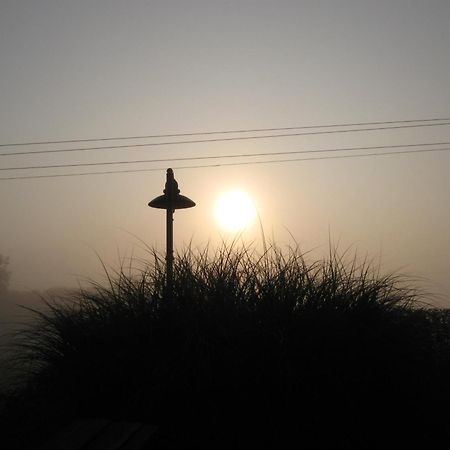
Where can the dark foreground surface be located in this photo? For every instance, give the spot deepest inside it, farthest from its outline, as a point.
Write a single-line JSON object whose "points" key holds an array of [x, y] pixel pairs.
{"points": [[339, 384]]}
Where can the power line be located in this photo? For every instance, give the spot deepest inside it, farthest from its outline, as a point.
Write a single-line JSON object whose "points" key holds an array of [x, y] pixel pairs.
{"points": [[200, 141], [200, 133], [203, 166], [241, 155]]}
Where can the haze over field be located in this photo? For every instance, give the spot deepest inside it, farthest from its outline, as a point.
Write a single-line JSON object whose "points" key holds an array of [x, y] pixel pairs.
{"points": [[78, 70]]}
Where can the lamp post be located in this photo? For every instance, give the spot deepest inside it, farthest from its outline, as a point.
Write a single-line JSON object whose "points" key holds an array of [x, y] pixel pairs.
{"points": [[170, 201]]}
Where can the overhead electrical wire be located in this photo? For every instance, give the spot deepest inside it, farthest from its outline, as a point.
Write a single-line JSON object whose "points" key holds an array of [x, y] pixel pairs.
{"points": [[240, 155], [201, 133], [203, 166], [238, 138]]}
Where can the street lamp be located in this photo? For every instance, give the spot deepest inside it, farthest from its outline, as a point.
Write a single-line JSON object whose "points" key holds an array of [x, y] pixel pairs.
{"points": [[170, 201]]}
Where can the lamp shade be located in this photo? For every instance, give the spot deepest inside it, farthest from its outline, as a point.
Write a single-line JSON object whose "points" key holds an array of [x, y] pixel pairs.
{"points": [[171, 198], [178, 202]]}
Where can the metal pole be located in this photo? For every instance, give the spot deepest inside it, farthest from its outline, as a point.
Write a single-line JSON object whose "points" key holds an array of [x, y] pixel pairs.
{"points": [[170, 201], [169, 233]]}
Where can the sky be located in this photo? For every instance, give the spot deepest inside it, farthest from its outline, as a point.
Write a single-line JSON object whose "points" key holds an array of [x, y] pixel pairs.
{"points": [[93, 69]]}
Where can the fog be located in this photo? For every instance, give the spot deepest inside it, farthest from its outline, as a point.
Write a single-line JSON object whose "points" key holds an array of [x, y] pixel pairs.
{"points": [[75, 70]]}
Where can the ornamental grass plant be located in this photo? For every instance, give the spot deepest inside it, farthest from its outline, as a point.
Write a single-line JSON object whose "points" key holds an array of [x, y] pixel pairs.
{"points": [[247, 351]]}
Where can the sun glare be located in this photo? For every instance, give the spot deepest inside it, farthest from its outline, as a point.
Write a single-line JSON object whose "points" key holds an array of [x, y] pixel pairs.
{"points": [[235, 211]]}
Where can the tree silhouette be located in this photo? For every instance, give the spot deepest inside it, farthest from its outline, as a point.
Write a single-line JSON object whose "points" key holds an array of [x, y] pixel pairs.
{"points": [[4, 273]]}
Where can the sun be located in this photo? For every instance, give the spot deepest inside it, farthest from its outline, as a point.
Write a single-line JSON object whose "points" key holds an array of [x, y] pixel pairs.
{"points": [[235, 211]]}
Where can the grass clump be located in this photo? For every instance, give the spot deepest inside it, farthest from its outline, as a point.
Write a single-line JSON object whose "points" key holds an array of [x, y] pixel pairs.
{"points": [[248, 350]]}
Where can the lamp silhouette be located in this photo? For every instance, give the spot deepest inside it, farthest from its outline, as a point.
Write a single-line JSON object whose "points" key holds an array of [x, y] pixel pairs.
{"points": [[170, 201]]}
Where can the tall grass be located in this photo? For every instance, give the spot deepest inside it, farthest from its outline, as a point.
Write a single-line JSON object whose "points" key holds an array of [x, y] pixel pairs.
{"points": [[250, 349]]}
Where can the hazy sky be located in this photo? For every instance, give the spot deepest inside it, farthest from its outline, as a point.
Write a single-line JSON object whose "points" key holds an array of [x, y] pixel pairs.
{"points": [[82, 69]]}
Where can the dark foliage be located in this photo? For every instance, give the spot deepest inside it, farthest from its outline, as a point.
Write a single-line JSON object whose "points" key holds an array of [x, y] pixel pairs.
{"points": [[4, 273], [249, 352]]}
